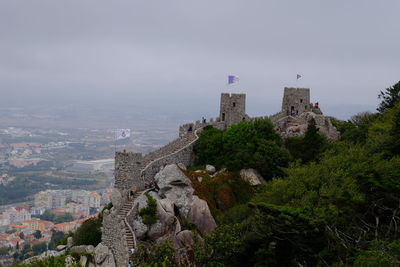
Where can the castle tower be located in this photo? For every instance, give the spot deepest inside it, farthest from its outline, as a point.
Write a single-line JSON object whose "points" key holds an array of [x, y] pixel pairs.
{"points": [[127, 170], [232, 108], [295, 101]]}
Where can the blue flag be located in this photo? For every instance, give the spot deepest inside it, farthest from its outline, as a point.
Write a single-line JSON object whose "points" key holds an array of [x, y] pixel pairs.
{"points": [[232, 79]]}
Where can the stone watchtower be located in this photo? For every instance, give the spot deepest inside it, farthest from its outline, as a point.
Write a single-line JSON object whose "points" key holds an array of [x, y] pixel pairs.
{"points": [[295, 101], [233, 108]]}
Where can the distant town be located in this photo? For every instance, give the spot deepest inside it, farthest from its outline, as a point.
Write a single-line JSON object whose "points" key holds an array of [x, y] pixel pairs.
{"points": [[53, 211], [53, 180]]}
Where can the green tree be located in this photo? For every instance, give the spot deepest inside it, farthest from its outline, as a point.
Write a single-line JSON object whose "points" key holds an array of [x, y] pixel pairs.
{"points": [[394, 140], [4, 251], [149, 213], [209, 146], [89, 233], [380, 254], [253, 144], [155, 254], [67, 217], [39, 248], [389, 97], [37, 234], [26, 249], [314, 143], [47, 216], [356, 129]]}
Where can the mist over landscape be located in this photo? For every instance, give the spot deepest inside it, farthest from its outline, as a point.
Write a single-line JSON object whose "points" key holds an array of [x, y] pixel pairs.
{"points": [[168, 61], [199, 133]]}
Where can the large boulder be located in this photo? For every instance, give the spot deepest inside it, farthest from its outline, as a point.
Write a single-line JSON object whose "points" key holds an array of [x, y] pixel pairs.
{"points": [[184, 239], [140, 228], [70, 242], [210, 169], [175, 186], [103, 256], [101, 253], [61, 247], [167, 205], [83, 260], [78, 249], [252, 176], [200, 215], [165, 224]]}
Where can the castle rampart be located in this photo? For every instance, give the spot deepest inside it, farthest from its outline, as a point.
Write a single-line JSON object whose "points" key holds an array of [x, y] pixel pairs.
{"points": [[295, 100], [132, 170], [232, 108]]}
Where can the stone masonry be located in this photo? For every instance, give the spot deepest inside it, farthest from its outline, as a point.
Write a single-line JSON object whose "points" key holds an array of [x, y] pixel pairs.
{"points": [[295, 100], [233, 108], [132, 170]]}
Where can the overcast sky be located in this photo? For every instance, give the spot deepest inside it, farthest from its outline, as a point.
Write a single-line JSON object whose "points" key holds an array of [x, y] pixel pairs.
{"points": [[172, 57]]}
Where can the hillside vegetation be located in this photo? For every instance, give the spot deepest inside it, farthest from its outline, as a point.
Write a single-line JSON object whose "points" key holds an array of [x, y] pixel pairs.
{"points": [[325, 203]]}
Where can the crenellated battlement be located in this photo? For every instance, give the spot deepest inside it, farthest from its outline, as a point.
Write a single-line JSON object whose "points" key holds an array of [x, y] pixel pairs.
{"points": [[132, 170]]}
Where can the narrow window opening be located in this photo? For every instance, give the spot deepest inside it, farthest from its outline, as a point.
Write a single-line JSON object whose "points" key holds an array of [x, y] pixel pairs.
{"points": [[223, 116], [234, 104]]}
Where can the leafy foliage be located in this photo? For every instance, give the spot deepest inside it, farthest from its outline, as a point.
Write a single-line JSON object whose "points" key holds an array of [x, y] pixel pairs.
{"points": [[356, 129], [89, 233], [155, 255], [389, 97], [338, 207], [307, 148], [48, 216], [149, 213], [221, 192], [245, 145]]}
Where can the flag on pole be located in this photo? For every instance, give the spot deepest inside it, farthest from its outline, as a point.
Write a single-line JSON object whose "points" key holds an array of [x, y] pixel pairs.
{"points": [[298, 76], [232, 79], [122, 133]]}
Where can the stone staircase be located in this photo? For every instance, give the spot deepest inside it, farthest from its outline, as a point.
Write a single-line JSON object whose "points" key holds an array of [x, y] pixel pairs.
{"points": [[123, 213]]}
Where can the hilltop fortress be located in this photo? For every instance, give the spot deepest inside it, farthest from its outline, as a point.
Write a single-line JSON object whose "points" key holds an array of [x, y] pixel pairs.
{"points": [[132, 170]]}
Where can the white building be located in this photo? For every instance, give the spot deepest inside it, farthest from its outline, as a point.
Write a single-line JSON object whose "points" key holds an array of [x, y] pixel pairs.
{"points": [[92, 199], [50, 199], [3, 220], [14, 216]]}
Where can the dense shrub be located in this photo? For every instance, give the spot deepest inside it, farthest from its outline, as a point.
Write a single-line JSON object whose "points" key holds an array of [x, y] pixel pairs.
{"points": [[221, 192], [154, 255], [252, 144], [149, 213], [310, 147], [89, 233]]}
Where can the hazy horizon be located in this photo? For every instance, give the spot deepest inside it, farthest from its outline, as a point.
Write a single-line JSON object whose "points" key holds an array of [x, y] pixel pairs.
{"points": [[169, 61]]}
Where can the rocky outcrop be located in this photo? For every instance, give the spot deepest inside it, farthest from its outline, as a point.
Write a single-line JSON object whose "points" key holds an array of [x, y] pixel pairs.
{"points": [[103, 256], [296, 125], [44, 255], [176, 205], [252, 176], [175, 186], [200, 216]]}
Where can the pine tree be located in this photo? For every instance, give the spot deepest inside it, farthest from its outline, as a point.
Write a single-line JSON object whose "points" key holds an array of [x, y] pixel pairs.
{"points": [[389, 98], [313, 143]]}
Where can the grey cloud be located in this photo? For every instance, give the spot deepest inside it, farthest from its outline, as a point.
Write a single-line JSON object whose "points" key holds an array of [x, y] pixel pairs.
{"points": [[164, 54]]}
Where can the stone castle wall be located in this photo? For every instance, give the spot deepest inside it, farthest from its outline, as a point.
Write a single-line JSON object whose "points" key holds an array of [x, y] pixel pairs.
{"points": [[134, 169], [127, 166], [233, 108], [113, 236], [295, 100]]}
